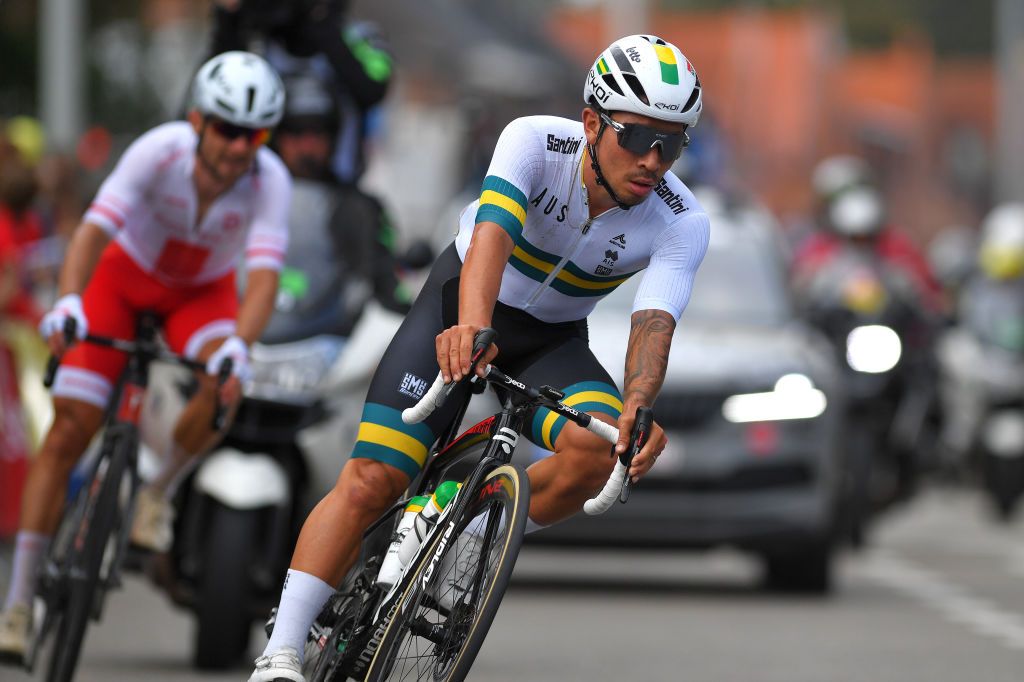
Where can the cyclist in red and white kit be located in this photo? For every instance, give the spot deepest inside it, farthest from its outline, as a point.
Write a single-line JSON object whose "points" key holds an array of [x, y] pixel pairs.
{"points": [[164, 234]]}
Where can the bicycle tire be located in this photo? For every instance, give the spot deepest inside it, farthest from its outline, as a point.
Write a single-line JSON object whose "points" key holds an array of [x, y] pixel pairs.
{"points": [[85, 562], [507, 490]]}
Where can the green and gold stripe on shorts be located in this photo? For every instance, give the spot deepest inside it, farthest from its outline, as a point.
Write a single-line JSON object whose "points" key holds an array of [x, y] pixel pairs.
{"points": [[586, 396], [503, 203], [384, 437]]}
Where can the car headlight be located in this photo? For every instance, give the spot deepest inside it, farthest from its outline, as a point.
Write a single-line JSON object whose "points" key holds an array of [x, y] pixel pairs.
{"points": [[794, 397], [288, 371], [873, 349]]}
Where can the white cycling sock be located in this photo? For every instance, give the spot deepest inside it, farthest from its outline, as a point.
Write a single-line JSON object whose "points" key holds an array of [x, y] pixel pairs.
{"points": [[302, 598], [29, 550]]}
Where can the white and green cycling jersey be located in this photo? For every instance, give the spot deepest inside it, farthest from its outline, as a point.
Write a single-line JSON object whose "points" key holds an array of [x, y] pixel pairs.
{"points": [[564, 262]]}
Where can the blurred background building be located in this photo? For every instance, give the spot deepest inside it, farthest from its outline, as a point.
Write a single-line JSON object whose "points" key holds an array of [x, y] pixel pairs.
{"points": [[912, 86]]}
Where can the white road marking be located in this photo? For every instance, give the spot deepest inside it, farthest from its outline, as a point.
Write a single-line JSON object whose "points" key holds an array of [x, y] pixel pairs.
{"points": [[955, 603]]}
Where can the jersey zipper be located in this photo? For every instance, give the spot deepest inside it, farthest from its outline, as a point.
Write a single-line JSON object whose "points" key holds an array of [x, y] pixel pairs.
{"points": [[584, 229]]}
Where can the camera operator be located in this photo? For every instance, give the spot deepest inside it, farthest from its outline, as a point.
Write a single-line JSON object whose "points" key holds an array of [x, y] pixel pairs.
{"points": [[341, 237], [313, 37]]}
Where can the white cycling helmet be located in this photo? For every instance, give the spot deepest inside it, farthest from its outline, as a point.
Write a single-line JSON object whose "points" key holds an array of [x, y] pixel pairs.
{"points": [[240, 88], [648, 76], [1001, 253], [857, 212], [835, 174]]}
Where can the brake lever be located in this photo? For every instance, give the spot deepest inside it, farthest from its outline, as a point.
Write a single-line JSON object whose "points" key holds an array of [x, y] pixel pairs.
{"points": [[637, 439]]}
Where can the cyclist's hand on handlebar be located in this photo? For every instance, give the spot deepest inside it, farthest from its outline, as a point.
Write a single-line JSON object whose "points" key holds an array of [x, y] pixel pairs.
{"points": [[237, 350], [644, 460], [52, 324], [454, 348]]}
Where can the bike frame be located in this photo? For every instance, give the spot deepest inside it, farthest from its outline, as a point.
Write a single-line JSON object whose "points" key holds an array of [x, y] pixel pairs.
{"points": [[501, 433], [121, 424]]}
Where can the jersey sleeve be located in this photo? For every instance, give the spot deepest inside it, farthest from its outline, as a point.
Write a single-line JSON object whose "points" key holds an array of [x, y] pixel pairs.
{"points": [[268, 233], [675, 256], [516, 161], [125, 187]]}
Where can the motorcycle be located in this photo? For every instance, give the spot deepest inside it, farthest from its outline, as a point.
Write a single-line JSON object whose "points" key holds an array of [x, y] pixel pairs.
{"points": [[870, 314], [982, 386], [239, 512]]}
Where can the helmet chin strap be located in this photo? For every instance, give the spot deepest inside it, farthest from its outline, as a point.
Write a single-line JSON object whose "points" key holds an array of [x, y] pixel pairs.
{"points": [[592, 150]]}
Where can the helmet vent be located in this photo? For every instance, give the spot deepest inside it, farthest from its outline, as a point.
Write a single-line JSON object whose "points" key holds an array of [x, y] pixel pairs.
{"points": [[216, 70], [634, 84], [225, 105], [693, 96], [622, 61], [610, 81], [251, 98]]}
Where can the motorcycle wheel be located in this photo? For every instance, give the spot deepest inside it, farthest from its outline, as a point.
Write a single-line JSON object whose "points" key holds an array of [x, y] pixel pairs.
{"points": [[1004, 479], [225, 589]]}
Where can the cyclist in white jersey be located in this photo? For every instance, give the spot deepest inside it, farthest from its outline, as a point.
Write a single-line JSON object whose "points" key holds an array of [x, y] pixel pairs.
{"points": [[567, 212], [164, 234]]}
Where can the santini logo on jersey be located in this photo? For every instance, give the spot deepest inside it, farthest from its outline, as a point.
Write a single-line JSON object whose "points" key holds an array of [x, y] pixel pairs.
{"points": [[565, 146], [671, 199]]}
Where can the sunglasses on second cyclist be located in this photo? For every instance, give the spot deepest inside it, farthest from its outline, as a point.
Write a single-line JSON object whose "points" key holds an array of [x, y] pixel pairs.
{"points": [[640, 139], [231, 132]]}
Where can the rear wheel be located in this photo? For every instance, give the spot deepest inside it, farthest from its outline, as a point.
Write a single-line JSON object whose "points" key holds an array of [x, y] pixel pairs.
{"points": [[85, 559], [448, 605]]}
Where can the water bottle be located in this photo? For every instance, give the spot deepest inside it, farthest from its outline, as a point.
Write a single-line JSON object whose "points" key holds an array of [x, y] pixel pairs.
{"points": [[420, 526], [391, 568]]}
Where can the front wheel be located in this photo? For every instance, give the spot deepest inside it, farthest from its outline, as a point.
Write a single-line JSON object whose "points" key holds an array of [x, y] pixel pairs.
{"points": [[85, 558], [440, 621]]}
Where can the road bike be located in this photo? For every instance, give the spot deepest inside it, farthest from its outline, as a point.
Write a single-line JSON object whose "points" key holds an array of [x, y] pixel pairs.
{"points": [[432, 622], [86, 557]]}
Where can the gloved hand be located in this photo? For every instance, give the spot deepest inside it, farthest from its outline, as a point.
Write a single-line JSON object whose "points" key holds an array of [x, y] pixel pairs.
{"points": [[67, 306], [236, 349]]}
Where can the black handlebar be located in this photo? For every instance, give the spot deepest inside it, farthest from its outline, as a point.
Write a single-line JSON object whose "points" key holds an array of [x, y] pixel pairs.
{"points": [[223, 374], [70, 329]]}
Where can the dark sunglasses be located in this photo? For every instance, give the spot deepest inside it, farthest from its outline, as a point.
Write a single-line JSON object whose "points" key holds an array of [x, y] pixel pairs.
{"points": [[639, 139], [230, 131]]}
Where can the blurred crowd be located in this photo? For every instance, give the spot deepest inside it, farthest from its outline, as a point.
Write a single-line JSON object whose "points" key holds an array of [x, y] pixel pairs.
{"points": [[40, 205]]}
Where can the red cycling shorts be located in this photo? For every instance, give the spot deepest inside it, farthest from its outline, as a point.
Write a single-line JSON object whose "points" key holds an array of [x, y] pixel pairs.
{"points": [[117, 292]]}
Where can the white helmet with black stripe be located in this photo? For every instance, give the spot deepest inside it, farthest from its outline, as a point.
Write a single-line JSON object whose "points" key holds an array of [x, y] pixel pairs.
{"points": [[240, 88], [645, 75]]}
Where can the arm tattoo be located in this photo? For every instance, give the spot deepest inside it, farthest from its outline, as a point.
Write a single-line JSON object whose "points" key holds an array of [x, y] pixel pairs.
{"points": [[647, 356]]}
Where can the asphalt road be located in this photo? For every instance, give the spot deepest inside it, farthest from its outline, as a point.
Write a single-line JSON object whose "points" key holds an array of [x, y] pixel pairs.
{"points": [[937, 597]]}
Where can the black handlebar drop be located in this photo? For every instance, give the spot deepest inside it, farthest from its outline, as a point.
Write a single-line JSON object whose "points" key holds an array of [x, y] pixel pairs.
{"points": [[637, 439], [70, 327], [223, 374]]}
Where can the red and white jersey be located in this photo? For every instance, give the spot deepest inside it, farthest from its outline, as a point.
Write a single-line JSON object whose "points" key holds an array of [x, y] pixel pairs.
{"points": [[149, 204]]}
